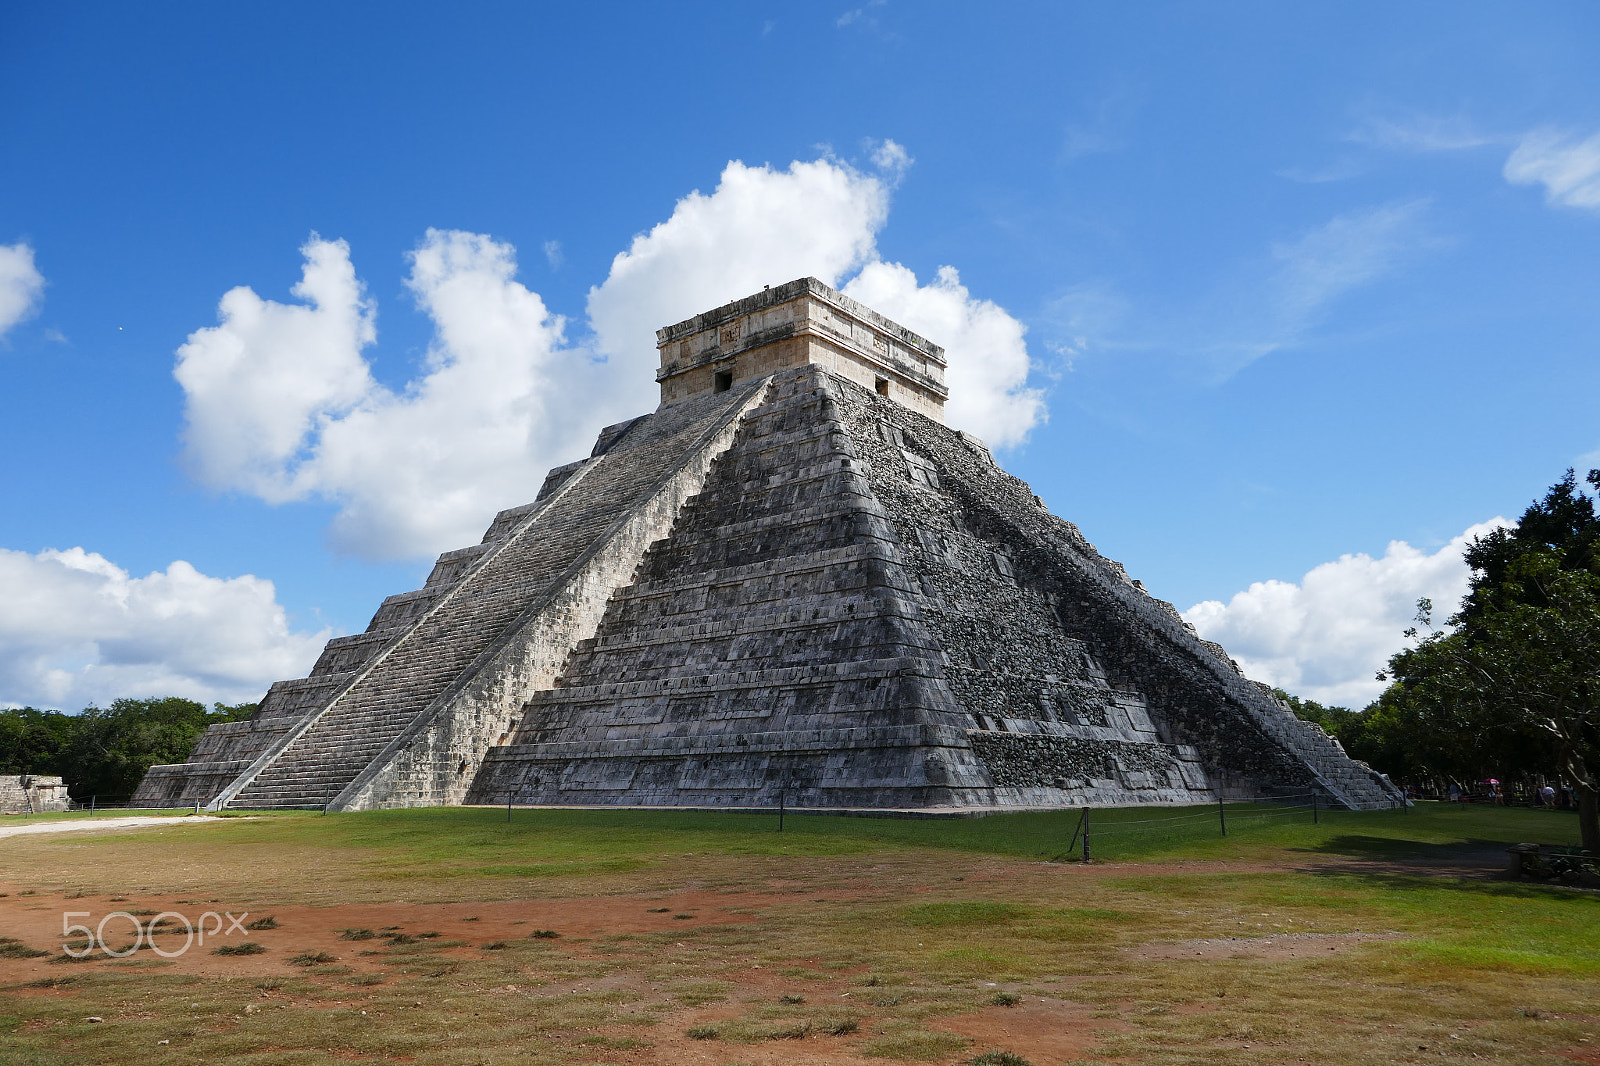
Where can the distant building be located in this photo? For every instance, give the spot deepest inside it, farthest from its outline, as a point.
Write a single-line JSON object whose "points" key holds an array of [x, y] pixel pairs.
{"points": [[32, 794]]}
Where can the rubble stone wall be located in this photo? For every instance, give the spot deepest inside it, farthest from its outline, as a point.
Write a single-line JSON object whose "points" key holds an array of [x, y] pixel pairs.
{"points": [[33, 794]]}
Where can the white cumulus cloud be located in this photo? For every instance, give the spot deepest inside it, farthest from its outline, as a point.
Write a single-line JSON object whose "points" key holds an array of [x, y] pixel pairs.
{"points": [[21, 285], [1569, 169], [260, 383], [281, 402], [1326, 637], [75, 629]]}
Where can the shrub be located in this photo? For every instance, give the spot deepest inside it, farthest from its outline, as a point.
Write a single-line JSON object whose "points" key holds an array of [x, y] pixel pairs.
{"points": [[310, 959], [11, 948]]}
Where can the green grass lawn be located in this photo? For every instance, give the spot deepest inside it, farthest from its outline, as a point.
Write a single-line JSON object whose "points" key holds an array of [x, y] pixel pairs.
{"points": [[535, 840]]}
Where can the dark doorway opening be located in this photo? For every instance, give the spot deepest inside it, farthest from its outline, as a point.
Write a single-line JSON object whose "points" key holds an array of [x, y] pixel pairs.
{"points": [[723, 381], [882, 385]]}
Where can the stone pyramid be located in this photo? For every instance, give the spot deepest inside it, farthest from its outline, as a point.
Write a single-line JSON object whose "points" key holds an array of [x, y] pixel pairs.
{"points": [[790, 580]]}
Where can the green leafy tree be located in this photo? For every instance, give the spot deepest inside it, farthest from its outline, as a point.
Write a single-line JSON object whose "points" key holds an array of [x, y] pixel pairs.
{"points": [[34, 741], [1520, 668], [1427, 725], [106, 751], [1383, 736]]}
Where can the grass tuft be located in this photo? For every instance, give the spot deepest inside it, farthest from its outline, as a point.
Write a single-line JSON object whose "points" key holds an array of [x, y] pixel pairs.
{"points": [[249, 947], [11, 948], [308, 958]]}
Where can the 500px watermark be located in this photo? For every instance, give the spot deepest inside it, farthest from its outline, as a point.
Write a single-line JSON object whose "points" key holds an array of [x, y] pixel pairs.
{"points": [[87, 941]]}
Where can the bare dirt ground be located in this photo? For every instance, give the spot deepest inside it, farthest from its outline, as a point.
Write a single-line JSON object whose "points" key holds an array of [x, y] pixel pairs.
{"points": [[1052, 1029]]}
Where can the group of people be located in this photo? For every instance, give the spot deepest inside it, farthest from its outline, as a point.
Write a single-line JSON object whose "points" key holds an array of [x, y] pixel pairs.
{"points": [[1501, 795]]}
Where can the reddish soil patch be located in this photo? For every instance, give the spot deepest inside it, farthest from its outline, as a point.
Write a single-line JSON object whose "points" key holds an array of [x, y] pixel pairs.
{"points": [[1040, 1030], [37, 922]]}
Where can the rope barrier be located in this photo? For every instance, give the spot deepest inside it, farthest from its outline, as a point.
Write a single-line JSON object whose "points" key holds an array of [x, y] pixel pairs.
{"points": [[1259, 814]]}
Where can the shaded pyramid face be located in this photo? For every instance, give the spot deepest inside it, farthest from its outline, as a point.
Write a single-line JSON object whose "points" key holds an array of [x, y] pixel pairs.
{"points": [[782, 584], [859, 609]]}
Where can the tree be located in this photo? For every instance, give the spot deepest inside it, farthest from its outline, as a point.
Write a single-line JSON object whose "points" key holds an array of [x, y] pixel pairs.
{"points": [[34, 741], [1520, 667], [106, 751], [114, 747]]}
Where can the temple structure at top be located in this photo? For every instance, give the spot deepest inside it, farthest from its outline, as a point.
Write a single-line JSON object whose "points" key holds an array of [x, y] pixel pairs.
{"points": [[790, 581], [802, 323]]}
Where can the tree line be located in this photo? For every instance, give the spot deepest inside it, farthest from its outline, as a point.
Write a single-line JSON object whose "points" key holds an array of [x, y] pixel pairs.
{"points": [[1508, 686], [104, 751]]}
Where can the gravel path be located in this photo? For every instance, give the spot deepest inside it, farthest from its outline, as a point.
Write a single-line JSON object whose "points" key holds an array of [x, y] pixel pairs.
{"points": [[101, 823]]}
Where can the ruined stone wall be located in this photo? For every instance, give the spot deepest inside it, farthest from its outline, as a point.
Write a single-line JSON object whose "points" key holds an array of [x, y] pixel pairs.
{"points": [[33, 794]]}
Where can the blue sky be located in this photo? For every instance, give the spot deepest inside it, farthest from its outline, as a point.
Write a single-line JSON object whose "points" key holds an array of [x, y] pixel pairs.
{"points": [[1297, 282]]}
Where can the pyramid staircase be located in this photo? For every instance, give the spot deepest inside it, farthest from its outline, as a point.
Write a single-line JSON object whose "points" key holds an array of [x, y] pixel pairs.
{"points": [[519, 570]]}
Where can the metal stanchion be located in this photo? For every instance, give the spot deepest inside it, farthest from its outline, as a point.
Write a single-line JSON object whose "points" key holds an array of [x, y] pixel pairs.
{"points": [[1222, 817]]}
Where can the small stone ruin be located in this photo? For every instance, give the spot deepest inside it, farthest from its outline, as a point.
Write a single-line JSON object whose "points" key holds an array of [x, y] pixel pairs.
{"points": [[32, 794]]}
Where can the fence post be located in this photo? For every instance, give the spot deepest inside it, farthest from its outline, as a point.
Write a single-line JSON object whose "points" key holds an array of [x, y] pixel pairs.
{"points": [[91, 803], [780, 811], [509, 797], [1313, 808], [1086, 834], [1222, 817]]}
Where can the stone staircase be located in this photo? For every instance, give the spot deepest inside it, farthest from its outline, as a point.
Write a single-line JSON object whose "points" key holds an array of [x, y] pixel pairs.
{"points": [[762, 639], [1345, 781], [397, 688]]}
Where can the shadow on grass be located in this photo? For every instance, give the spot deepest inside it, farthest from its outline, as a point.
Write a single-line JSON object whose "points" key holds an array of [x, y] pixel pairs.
{"points": [[1469, 851], [1473, 865], [1490, 883]]}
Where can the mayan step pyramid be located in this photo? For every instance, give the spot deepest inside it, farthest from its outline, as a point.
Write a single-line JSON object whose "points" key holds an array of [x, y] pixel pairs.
{"points": [[791, 581]]}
